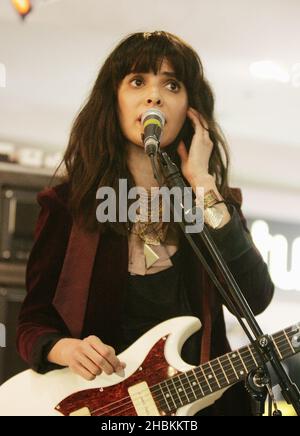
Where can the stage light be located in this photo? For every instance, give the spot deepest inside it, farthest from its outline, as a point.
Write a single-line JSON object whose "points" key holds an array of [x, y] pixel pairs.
{"points": [[23, 7], [269, 70]]}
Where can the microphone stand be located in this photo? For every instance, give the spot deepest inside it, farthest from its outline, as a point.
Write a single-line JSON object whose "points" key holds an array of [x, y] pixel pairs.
{"points": [[168, 173]]}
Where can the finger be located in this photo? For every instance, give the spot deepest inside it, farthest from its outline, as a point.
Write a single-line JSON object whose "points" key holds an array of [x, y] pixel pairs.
{"points": [[77, 368], [181, 150], [106, 352], [102, 362], [99, 360], [200, 124], [199, 117], [89, 365], [195, 121]]}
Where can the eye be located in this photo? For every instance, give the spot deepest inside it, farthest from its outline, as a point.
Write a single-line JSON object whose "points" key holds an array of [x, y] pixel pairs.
{"points": [[174, 85], [136, 82]]}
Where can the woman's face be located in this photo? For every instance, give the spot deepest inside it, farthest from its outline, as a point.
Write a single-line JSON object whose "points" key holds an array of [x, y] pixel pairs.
{"points": [[141, 91]]}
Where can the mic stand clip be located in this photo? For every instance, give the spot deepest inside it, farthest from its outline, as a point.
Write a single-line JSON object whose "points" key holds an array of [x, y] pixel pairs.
{"points": [[256, 383]]}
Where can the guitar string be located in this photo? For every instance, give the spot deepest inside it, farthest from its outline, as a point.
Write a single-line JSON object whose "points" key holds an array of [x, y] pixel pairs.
{"points": [[131, 407], [130, 404], [217, 372], [154, 389]]}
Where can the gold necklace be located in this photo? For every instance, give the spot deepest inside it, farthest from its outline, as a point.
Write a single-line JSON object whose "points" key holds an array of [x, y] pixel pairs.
{"points": [[150, 232]]}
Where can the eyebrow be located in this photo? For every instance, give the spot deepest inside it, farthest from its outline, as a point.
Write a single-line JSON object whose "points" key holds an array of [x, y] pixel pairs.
{"points": [[164, 73], [168, 73]]}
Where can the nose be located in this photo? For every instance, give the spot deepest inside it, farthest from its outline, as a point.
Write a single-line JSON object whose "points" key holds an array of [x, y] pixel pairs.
{"points": [[154, 98], [155, 101]]}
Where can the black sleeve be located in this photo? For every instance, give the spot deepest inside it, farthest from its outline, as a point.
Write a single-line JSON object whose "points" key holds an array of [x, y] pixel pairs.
{"points": [[232, 240], [244, 261], [42, 347]]}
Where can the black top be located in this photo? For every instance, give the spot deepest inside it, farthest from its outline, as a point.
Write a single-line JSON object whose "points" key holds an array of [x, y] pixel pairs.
{"points": [[154, 298]]}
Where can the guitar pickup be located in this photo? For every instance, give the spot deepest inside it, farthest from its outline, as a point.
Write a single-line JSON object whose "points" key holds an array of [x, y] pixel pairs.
{"points": [[84, 411]]}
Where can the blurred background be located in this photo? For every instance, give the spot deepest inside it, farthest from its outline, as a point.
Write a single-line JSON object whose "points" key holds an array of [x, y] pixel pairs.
{"points": [[50, 53]]}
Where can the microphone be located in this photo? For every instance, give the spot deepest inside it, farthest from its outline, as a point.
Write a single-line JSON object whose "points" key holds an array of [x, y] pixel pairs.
{"points": [[153, 121]]}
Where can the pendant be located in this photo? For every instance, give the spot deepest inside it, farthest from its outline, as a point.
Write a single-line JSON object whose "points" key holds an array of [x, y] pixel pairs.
{"points": [[150, 256]]}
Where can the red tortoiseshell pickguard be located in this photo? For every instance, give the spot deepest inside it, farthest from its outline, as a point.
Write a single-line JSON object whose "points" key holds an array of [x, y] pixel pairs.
{"points": [[115, 400]]}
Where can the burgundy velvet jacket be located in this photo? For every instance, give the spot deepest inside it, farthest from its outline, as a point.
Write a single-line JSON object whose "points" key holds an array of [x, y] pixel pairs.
{"points": [[98, 312]]}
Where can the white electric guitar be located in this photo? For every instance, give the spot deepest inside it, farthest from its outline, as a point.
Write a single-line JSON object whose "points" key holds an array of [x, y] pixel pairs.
{"points": [[156, 381]]}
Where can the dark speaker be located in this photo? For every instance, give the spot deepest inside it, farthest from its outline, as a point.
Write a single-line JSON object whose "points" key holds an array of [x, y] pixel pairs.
{"points": [[10, 304]]}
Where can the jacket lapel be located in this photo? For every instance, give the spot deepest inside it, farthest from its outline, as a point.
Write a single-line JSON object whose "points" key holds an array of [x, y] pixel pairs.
{"points": [[72, 291]]}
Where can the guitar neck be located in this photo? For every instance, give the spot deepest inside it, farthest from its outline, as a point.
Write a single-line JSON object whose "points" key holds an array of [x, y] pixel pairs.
{"points": [[222, 372]]}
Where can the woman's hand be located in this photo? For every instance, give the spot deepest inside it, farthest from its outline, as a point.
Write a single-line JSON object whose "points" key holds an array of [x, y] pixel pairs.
{"points": [[195, 164], [87, 357]]}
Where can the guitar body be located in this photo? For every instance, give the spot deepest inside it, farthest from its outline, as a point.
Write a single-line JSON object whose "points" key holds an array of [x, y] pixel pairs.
{"points": [[153, 358], [155, 382]]}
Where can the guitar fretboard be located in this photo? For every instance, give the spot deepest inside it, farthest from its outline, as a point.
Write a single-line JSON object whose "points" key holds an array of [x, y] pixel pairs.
{"points": [[220, 373]]}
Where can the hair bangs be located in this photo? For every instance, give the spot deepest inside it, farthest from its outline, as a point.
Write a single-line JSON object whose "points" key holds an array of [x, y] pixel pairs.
{"points": [[145, 52]]}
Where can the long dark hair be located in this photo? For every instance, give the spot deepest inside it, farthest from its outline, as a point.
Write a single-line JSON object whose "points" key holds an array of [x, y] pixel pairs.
{"points": [[96, 152]]}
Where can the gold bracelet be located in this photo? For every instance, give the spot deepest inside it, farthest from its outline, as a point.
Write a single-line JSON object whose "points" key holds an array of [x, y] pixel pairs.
{"points": [[210, 198]]}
